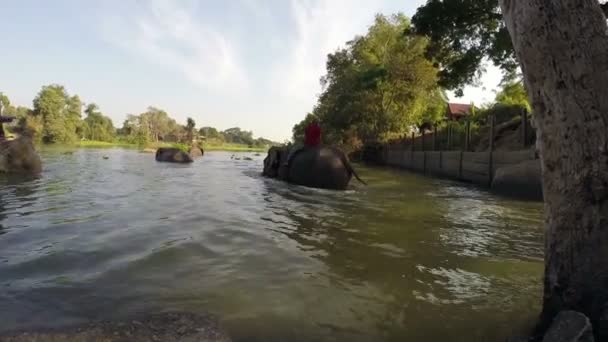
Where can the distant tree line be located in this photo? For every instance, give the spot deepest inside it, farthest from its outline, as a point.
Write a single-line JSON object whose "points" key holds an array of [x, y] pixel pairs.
{"points": [[58, 117]]}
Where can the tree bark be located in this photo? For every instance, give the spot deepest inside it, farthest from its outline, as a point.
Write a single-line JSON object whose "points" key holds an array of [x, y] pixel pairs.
{"points": [[562, 47]]}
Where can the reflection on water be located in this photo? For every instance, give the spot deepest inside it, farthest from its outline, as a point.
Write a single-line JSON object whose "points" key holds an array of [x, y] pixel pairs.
{"points": [[405, 259]]}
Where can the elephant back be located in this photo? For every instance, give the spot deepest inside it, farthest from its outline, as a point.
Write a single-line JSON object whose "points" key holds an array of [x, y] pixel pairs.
{"points": [[320, 167], [19, 156]]}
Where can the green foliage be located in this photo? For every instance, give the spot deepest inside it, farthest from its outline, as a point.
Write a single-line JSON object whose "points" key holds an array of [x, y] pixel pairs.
{"points": [[60, 113], [212, 136], [378, 87], [237, 136], [464, 33], [98, 127], [57, 118], [513, 93], [502, 113], [152, 126]]}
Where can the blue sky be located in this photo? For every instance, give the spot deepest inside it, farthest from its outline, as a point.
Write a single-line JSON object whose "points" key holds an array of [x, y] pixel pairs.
{"points": [[255, 64]]}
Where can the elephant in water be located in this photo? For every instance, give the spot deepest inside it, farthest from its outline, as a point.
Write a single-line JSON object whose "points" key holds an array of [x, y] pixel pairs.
{"points": [[196, 151], [316, 167], [172, 155], [19, 156]]}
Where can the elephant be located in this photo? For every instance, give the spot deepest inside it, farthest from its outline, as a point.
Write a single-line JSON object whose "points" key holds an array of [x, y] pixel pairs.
{"points": [[172, 155], [19, 156], [196, 151], [316, 167]]}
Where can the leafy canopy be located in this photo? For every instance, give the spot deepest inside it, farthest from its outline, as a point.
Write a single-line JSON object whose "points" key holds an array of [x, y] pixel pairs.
{"points": [[463, 34], [378, 87]]}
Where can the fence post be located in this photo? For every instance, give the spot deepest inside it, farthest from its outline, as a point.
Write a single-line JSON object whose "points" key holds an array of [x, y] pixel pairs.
{"points": [[460, 166], [423, 151], [449, 133], [412, 151], [467, 142], [435, 137], [524, 122], [491, 148]]}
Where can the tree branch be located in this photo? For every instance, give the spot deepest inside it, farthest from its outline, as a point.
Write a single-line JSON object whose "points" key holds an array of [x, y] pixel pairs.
{"points": [[604, 7]]}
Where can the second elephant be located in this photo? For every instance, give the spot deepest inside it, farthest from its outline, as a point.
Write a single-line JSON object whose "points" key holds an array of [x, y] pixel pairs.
{"points": [[172, 155]]}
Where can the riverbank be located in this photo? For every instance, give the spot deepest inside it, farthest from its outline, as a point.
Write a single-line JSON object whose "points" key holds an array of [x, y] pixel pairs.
{"points": [[222, 147], [163, 327]]}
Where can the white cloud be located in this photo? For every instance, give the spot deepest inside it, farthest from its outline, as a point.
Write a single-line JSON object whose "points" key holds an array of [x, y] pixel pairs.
{"points": [[271, 54], [168, 33]]}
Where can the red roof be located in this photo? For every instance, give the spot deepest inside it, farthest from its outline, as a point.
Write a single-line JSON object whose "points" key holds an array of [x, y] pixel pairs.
{"points": [[458, 110]]}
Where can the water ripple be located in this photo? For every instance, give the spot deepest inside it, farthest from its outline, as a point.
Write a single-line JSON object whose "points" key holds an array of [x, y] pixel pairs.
{"points": [[98, 238]]}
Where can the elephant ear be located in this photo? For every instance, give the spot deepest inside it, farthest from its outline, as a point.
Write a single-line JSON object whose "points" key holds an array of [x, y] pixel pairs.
{"points": [[276, 159]]}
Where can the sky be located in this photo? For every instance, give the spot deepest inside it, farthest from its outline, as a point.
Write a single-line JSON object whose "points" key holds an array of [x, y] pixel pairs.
{"points": [[254, 64]]}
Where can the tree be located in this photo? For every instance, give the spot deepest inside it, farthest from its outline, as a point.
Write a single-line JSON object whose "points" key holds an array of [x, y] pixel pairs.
{"points": [[237, 136], [212, 135], [190, 125], [377, 87], [463, 33], [60, 114], [562, 47], [97, 126], [513, 93]]}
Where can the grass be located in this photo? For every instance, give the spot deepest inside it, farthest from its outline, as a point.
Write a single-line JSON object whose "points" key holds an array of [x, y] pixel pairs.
{"points": [[183, 147], [233, 148], [104, 144]]}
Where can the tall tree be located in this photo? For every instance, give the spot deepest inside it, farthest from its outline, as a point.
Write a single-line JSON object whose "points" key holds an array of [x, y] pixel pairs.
{"points": [[190, 125], [562, 47], [60, 114], [212, 135], [377, 87], [96, 125]]}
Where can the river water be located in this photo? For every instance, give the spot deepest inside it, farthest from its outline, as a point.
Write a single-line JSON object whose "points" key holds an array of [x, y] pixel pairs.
{"points": [[407, 258]]}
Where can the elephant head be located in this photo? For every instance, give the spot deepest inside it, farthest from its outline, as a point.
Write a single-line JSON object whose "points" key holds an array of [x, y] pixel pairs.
{"points": [[273, 161], [19, 156]]}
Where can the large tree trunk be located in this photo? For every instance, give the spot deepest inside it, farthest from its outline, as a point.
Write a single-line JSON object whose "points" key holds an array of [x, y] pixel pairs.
{"points": [[562, 46]]}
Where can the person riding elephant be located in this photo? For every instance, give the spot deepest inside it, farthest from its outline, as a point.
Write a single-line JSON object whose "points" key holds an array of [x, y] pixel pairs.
{"points": [[310, 164], [172, 155], [312, 138]]}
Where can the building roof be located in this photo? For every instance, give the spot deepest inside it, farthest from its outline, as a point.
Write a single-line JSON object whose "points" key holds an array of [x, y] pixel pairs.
{"points": [[458, 110]]}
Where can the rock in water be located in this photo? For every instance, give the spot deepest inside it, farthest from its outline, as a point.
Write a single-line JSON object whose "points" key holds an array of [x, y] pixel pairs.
{"points": [[523, 179], [19, 156], [168, 327], [570, 326]]}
